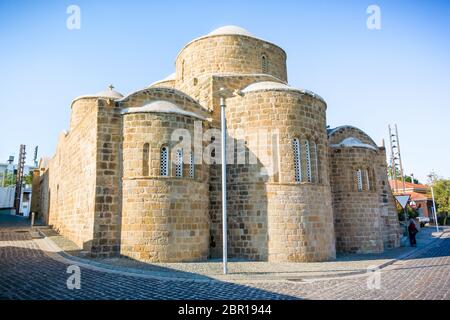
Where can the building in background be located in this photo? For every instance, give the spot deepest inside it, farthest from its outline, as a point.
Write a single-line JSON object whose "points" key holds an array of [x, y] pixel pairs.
{"points": [[419, 193], [7, 188]]}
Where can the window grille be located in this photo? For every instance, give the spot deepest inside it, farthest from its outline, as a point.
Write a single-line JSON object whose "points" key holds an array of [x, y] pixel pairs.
{"points": [[308, 161], [191, 166], [359, 180], [297, 164], [164, 161], [179, 164]]}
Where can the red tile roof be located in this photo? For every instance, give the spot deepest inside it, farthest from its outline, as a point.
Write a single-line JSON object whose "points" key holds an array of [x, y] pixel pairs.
{"points": [[418, 196], [408, 185]]}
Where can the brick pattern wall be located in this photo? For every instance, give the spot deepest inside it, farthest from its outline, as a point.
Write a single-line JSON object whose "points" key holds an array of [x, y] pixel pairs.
{"points": [[71, 179], [390, 226], [228, 54], [357, 214], [265, 209], [164, 219], [106, 238]]}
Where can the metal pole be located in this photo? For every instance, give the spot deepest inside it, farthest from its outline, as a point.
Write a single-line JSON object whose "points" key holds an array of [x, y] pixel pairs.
{"points": [[32, 218], [393, 167], [400, 159], [434, 210], [224, 184]]}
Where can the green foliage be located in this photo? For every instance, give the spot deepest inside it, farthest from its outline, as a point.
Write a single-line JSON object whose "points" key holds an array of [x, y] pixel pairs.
{"points": [[411, 213], [28, 179], [391, 173], [441, 189], [409, 179], [9, 179]]}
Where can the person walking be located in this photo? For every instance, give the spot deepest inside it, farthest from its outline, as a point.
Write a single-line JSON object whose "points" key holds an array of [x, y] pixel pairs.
{"points": [[412, 230]]}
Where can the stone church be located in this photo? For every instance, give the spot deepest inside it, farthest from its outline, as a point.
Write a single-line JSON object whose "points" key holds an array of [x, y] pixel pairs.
{"points": [[140, 176]]}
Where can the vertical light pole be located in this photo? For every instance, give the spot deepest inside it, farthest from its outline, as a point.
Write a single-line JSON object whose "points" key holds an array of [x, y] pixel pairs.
{"points": [[224, 178], [434, 210]]}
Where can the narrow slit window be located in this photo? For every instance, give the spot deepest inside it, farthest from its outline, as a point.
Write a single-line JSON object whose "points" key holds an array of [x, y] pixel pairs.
{"points": [[191, 166], [308, 161], [297, 164], [179, 164], [367, 180], [264, 64], [359, 181], [164, 161], [316, 162], [145, 160]]}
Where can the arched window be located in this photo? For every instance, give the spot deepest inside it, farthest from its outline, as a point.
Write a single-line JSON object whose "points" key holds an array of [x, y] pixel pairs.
{"points": [[179, 163], [164, 161], [359, 181], [264, 64], [308, 161], [297, 163], [145, 159], [191, 166], [315, 161]]}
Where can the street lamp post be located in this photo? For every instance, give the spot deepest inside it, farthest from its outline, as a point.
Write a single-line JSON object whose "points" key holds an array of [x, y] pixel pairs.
{"points": [[223, 128], [434, 210]]}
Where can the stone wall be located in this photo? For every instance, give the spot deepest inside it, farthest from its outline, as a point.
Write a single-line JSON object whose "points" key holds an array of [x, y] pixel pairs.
{"points": [[71, 179], [36, 191], [108, 172], [391, 230], [221, 54], [164, 218], [270, 214], [357, 214]]}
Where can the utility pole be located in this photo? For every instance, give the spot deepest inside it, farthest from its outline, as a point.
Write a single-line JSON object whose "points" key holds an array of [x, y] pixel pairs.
{"points": [[434, 210], [396, 156], [19, 178], [400, 159], [393, 164]]}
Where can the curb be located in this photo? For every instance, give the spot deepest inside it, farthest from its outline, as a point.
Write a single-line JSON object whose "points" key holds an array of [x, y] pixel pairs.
{"points": [[60, 255]]}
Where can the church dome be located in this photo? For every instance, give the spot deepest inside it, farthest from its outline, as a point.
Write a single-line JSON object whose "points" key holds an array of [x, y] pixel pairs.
{"points": [[230, 30], [109, 93], [277, 86], [170, 77]]}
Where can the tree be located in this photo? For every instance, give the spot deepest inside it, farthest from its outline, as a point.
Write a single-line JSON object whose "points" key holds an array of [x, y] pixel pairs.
{"points": [[391, 173], [9, 179], [441, 188], [28, 179], [409, 179]]}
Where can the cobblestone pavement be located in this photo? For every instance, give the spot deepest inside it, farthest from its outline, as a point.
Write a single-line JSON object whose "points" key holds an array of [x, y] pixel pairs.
{"points": [[29, 272]]}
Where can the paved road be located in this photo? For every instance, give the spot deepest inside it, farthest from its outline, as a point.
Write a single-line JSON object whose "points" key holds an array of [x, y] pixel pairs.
{"points": [[27, 272]]}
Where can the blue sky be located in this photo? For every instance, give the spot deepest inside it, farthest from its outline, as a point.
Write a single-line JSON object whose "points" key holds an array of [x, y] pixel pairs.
{"points": [[369, 78]]}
